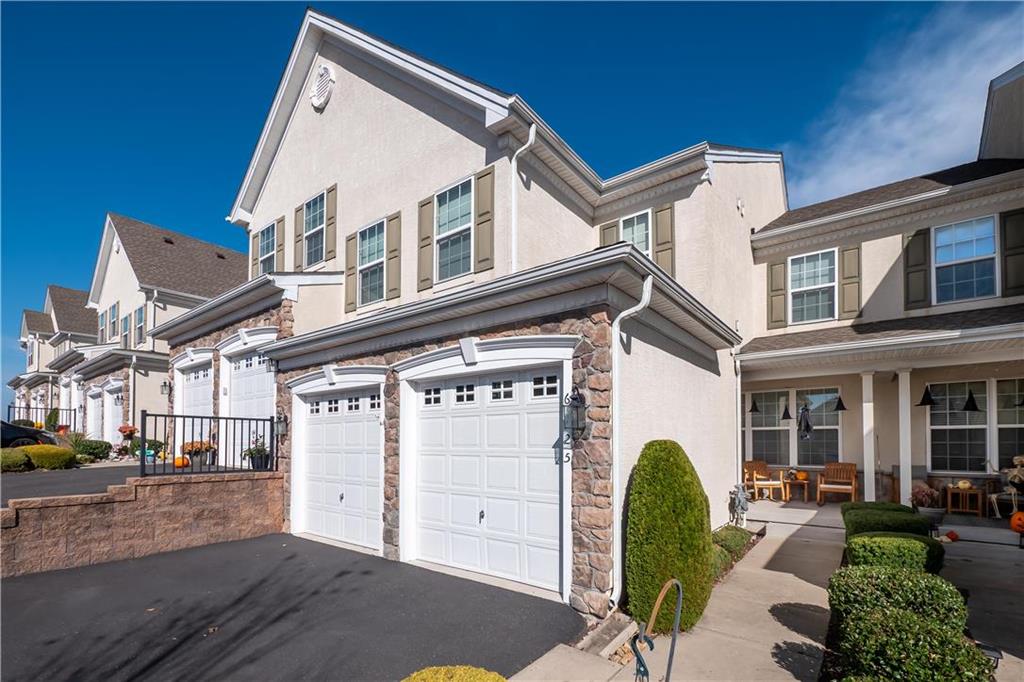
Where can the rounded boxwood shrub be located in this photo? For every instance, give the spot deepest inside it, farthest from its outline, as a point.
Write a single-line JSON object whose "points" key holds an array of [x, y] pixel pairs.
{"points": [[859, 521], [855, 589], [872, 553], [50, 456], [877, 506], [732, 539], [97, 449], [14, 459], [668, 535], [721, 561], [454, 673], [894, 644]]}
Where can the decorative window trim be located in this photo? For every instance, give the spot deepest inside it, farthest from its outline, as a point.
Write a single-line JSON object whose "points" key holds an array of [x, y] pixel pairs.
{"points": [[113, 317], [458, 231], [382, 262], [374, 402], [465, 396], [140, 324], [333, 379], [791, 427], [835, 287], [320, 229], [990, 427], [267, 259], [246, 340], [650, 229], [101, 336], [126, 331], [545, 386], [432, 396], [996, 271]]}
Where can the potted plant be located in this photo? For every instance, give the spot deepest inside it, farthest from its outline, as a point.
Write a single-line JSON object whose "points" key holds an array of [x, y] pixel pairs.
{"points": [[928, 501], [258, 455], [200, 452], [127, 432]]}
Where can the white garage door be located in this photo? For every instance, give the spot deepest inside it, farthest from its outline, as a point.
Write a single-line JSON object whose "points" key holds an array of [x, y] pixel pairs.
{"points": [[252, 387], [489, 473], [112, 417], [343, 470], [94, 415], [197, 398]]}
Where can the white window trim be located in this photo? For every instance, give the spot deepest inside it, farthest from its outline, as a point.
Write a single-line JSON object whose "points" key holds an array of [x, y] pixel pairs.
{"points": [[935, 266], [322, 229], [127, 330], [101, 336], [792, 427], [448, 235], [273, 251], [139, 328], [115, 320], [994, 419], [790, 290], [990, 426], [382, 261], [650, 229]]}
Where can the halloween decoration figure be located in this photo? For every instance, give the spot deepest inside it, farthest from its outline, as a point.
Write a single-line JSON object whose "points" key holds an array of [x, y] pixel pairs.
{"points": [[804, 426], [738, 505], [181, 461]]}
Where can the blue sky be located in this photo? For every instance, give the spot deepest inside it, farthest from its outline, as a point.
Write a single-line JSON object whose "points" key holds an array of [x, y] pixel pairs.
{"points": [[152, 110]]}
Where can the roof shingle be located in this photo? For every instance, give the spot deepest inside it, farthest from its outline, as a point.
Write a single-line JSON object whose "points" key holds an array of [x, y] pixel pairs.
{"points": [[36, 321], [70, 312], [173, 261], [958, 175], [888, 329]]}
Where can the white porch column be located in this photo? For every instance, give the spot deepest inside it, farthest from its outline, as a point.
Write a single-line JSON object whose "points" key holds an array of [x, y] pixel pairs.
{"points": [[904, 418], [867, 380]]}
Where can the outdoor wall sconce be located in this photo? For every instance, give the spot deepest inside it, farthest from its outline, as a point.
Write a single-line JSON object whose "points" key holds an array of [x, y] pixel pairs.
{"points": [[786, 416], [970, 405], [840, 407], [165, 388], [926, 399], [576, 413], [281, 423], [81, 409], [754, 409], [119, 400]]}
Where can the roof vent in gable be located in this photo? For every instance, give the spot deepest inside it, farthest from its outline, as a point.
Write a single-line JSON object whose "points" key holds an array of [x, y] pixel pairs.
{"points": [[168, 240], [323, 85], [220, 255]]}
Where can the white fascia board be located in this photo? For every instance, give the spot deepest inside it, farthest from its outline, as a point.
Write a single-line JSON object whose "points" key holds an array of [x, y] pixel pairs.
{"points": [[102, 258], [930, 339]]}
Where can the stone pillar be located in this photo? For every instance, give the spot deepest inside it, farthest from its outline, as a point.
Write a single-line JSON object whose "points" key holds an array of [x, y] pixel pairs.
{"points": [[868, 421], [906, 475]]}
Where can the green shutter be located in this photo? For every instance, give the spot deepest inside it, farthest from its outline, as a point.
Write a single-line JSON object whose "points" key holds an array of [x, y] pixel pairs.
{"points": [[777, 295], [483, 224], [664, 250], [393, 256], [425, 245], [849, 282], [1013, 253], [351, 293], [917, 290]]}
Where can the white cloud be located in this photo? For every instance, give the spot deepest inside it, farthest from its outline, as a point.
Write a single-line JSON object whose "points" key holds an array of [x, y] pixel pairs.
{"points": [[914, 106]]}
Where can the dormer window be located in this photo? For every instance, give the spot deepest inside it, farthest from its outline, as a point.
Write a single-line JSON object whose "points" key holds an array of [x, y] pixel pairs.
{"points": [[965, 260], [313, 219], [636, 229], [812, 287]]}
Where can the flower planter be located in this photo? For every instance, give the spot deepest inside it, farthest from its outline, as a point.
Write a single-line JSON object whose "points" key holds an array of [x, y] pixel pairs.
{"points": [[260, 462]]}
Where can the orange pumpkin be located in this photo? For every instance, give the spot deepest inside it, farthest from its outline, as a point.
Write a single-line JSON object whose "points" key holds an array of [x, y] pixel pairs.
{"points": [[801, 475], [1017, 522], [181, 461]]}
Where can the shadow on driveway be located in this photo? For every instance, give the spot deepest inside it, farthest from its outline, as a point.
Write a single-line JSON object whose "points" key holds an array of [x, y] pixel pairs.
{"points": [[273, 608], [64, 481]]}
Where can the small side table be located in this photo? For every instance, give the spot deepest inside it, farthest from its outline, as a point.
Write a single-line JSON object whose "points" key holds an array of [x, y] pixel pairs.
{"points": [[969, 501], [805, 484]]}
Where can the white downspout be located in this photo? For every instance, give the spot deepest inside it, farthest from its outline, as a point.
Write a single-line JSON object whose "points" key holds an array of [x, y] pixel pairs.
{"points": [[645, 300], [514, 237]]}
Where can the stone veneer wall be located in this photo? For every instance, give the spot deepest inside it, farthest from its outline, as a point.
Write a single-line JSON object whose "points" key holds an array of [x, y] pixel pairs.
{"points": [[144, 516], [591, 462]]}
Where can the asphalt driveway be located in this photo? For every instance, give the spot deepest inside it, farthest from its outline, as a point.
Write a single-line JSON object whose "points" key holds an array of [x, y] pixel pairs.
{"points": [[273, 608], [42, 483]]}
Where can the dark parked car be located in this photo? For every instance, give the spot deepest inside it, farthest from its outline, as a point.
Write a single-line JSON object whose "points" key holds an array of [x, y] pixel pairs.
{"points": [[12, 436]]}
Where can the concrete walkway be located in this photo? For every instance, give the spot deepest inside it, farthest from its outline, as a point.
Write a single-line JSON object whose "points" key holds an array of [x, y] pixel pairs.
{"points": [[766, 621]]}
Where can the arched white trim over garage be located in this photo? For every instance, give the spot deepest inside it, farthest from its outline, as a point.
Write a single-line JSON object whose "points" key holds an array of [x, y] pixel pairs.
{"points": [[182, 364], [511, 360], [338, 454], [247, 386]]}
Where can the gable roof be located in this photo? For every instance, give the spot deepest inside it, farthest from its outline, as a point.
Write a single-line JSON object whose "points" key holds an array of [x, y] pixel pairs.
{"points": [[35, 321], [171, 261], [876, 196], [69, 310], [497, 111]]}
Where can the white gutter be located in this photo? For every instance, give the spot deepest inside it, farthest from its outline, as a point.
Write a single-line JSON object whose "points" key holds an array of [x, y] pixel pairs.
{"points": [[645, 300], [515, 196]]}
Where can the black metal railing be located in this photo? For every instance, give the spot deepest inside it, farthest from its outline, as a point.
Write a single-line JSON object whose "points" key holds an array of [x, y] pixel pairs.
{"points": [[65, 416], [197, 444]]}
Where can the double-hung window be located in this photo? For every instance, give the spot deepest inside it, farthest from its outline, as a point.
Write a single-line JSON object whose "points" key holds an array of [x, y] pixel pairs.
{"points": [[1009, 420], [821, 445], [112, 321], [636, 229], [101, 336], [965, 260], [267, 242], [126, 331], [769, 435], [313, 217], [371, 263], [958, 439], [812, 287], [453, 233], [140, 325]]}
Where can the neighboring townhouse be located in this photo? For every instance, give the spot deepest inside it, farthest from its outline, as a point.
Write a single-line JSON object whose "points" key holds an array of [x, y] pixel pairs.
{"points": [[446, 306], [74, 332], [144, 275], [35, 388], [905, 301]]}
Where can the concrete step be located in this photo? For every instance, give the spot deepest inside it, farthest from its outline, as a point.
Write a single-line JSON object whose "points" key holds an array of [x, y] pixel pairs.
{"points": [[567, 664]]}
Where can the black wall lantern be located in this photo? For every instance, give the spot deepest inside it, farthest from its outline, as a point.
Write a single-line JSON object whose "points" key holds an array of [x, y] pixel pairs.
{"points": [[281, 424], [926, 398], [165, 388], [576, 413], [119, 400]]}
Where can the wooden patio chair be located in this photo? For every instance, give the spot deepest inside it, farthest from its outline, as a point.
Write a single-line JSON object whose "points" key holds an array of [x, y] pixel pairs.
{"points": [[838, 477], [757, 477]]}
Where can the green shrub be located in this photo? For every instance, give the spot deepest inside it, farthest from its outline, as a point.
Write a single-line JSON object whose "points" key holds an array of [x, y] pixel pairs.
{"points": [[866, 520], [14, 459], [893, 644], [872, 554], [84, 459], [721, 561], [50, 456], [97, 449], [732, 539], [52, 420], [877, 506], [151, 444], [454, 673], [668, 535], [855, 589], [24, 422]]}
